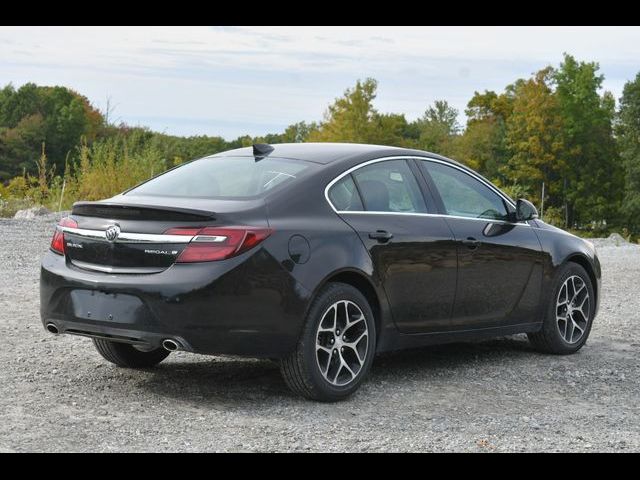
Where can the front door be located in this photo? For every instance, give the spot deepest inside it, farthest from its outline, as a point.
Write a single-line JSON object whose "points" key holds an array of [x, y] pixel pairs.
{"points": [[499, 261]]}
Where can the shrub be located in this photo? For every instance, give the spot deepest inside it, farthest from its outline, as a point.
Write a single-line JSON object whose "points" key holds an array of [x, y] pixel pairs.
{"points": [[554, 216]]}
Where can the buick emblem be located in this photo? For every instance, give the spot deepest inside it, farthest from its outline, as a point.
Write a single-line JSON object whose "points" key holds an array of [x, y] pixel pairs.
{"points": [[112, 233]]}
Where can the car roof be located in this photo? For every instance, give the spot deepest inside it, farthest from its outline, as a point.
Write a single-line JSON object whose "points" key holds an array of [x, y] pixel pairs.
{"points": [[326, 153]]}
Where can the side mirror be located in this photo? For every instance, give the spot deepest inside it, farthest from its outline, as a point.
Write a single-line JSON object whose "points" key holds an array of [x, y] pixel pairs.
{"points": [[525, 210]]}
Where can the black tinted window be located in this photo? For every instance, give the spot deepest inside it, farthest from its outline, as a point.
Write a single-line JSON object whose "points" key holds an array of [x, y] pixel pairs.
{"points": [[389, 186], [344, 196], [463, 195], [224, 177]]}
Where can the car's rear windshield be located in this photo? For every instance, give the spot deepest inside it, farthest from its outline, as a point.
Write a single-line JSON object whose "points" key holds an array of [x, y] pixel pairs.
{"points": [[224, 177]]}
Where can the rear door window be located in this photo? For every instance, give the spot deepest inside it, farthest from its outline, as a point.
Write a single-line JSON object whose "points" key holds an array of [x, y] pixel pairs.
{"points": [[344, 196], [389, 186]]}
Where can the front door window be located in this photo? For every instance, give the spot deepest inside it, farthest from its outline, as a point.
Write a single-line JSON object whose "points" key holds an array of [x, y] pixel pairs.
{"points": [[464, 196]]}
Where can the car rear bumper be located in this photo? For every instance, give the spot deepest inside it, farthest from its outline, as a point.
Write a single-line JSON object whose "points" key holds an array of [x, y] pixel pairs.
{"points": [[248, 305]]}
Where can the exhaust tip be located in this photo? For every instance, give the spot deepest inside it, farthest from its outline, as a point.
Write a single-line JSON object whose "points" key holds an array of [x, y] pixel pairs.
{"points": [[170, 345], [51, 327]]}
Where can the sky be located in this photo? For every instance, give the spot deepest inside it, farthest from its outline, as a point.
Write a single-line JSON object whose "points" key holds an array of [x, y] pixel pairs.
{"points": [[231, 81]]}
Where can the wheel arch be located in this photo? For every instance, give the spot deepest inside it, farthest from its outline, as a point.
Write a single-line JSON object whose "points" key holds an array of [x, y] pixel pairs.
{"points": [[360, 281], [584, 262]]}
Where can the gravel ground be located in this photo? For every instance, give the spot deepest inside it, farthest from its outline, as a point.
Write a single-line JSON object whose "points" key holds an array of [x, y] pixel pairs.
{"points": [[57, 394]]}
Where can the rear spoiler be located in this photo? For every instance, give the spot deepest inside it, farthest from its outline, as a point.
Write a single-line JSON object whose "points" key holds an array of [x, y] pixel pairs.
{"points": [[121, 211]]}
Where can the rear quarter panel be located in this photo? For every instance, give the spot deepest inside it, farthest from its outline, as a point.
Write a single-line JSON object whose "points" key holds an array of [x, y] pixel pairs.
{"points": [[333, 246]]}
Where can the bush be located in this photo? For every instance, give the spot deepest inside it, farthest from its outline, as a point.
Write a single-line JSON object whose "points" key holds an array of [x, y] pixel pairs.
{"points": [[17, 187], [113, 165], [103, 169], [515, 190], [9, 207], [553, 216], [16, 195]]}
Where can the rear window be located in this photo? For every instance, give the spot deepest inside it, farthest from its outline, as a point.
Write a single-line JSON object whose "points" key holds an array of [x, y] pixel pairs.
{"points": [[344, 195], [224, 177]]}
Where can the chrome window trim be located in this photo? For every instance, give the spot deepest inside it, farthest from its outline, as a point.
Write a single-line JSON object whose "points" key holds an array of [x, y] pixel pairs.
{"points": [[126, 237], [442, 215], [429, 159]]}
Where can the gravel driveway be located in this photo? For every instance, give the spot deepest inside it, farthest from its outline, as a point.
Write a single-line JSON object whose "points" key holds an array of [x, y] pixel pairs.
{"points": [[58, 394]]}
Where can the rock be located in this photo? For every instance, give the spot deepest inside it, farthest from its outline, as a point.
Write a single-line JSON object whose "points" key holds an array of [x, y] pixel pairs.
{"points": [[617, 239], [31, 213], [613, 240]]}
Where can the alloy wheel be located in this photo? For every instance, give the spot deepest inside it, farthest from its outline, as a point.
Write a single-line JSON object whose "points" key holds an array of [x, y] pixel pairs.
{"points": [[573, 308], [342, 341]]}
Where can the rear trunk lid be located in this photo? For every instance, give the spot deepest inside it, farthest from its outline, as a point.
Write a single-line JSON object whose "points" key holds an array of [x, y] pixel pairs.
{"points": [[128, 234]]}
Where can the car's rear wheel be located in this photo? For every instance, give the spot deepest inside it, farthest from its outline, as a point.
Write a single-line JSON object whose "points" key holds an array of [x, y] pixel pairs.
{"points": [[124, 355], [569, 314], [336, 348]]}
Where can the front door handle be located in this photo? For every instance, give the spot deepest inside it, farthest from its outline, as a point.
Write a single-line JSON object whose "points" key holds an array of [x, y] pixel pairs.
{"points": [[381, 236], [471, 243]]}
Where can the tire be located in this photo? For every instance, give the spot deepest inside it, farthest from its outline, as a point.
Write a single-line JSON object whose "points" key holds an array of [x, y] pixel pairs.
{"points": [[552, 337], [355, 347], [128, 356]]}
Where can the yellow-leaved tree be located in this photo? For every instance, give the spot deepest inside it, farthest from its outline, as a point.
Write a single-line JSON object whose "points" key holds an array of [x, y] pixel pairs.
{"points": [[352, 119], [534, 138]]}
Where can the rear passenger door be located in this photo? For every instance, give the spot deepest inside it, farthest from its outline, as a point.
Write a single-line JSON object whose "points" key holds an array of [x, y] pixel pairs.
{"points": [[413, 252]]}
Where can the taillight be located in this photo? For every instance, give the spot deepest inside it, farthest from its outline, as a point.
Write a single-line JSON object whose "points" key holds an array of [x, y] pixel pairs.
{"points": [[57, 242], [210, 244]]}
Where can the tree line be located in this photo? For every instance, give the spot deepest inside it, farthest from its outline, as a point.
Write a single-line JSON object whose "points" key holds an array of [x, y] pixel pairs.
{"points": [[556, 128]]}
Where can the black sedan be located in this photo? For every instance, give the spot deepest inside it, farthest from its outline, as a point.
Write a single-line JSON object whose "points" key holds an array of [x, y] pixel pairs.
{"points": [[318, 255]]}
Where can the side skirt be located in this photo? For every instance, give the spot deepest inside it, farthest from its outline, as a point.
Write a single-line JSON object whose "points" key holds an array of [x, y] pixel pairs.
{"points": [[401, 341]]}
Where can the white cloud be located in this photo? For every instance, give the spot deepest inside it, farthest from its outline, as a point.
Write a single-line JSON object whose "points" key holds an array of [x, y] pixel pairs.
{"points": [[189, 80]]}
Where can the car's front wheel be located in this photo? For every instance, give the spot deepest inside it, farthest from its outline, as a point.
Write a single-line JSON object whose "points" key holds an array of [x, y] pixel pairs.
{"points": [[128, 356], [569, 314], [336, 348]]}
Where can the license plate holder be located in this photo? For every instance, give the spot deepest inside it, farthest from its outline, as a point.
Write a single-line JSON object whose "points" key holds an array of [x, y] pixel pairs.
{"points": [[107, 307]]}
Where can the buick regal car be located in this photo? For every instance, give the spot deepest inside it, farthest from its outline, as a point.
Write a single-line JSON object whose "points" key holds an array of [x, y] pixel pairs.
{"points": [[319, 256]]}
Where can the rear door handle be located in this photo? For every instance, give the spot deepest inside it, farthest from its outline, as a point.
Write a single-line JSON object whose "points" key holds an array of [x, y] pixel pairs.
{"points": [[381, 235], [471, 243]]}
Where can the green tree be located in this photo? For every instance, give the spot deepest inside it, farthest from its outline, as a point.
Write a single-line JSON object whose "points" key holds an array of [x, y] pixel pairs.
{"points": [[534, 138], [437, 129], [490, 105], [298, 132], [21, 145], [389, 129], [593, 181], [483, 146], [628, 131], [32, 114]]}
